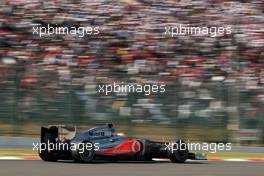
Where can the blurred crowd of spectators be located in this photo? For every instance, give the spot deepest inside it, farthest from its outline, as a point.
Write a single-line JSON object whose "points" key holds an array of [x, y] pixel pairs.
{"points": [[210, 80]]}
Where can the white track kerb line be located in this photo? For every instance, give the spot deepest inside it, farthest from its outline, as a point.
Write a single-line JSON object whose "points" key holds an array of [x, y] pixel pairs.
{"points": [[154, 159]]}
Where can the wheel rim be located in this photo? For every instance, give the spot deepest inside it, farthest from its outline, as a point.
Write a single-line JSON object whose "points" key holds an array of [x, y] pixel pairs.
{"points": [[86, 155]]}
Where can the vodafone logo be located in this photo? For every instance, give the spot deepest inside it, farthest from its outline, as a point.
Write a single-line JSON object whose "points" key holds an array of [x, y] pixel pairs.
{"points": [[136, 147]]}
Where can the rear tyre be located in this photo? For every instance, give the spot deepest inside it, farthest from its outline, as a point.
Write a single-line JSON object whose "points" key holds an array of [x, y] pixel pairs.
{"points": [[84, 154], [180, 152]]}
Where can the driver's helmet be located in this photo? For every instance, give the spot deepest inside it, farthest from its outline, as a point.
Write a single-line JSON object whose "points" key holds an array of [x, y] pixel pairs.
{"points": [[111, 127]]}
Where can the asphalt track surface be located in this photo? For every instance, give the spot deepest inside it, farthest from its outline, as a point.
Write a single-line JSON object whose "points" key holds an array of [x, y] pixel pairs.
{"points": [[162, 168]]}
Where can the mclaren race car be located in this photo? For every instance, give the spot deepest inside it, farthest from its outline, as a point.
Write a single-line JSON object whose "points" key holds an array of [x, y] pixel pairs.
{"points": [[60, 142]]}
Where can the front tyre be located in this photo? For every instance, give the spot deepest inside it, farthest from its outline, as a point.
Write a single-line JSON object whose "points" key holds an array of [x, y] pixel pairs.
{"points": [[179, 152]]}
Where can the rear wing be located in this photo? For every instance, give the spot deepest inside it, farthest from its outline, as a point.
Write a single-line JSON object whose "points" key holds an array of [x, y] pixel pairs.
{"points": [[57, 133]]}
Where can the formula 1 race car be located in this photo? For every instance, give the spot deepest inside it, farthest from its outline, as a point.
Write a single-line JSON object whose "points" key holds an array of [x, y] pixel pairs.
{"points": [[60, 142]]}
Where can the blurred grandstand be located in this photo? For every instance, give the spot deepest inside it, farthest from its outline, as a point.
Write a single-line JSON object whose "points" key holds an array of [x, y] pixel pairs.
{"points": [[214, 86]]}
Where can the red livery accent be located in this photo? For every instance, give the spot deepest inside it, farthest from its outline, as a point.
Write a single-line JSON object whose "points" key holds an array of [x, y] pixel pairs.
{"points": [[128, 148]]}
